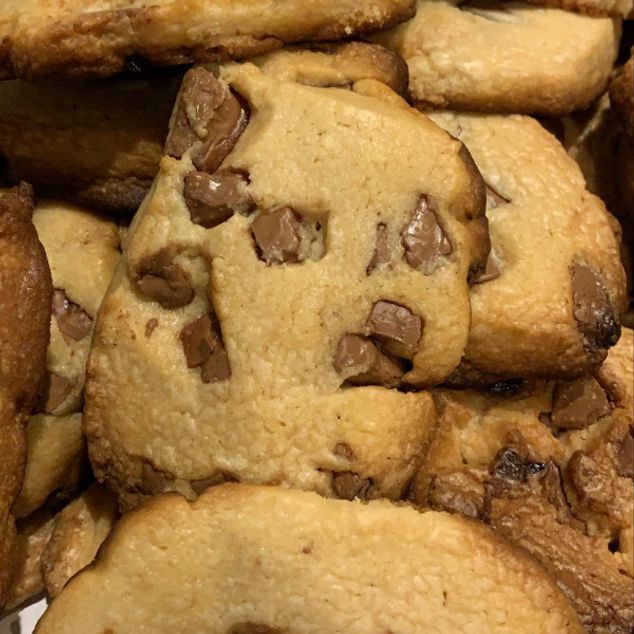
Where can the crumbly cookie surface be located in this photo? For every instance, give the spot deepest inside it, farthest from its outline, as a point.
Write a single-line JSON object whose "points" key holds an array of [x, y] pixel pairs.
{"points": [[290, 561], [43, 37], [551, 302], [25, 300], [549, 465], [553, 61], [331, 268]]}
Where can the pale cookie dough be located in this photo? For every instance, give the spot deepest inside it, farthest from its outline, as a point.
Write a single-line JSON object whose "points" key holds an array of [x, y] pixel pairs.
{"points": [[549, 466], [256, 559], [25, 308], [550, 304], [504, 56], [97, 38], [281, 280]]}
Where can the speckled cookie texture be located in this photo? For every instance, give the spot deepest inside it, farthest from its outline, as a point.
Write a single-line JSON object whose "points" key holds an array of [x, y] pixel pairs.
{"points": [[278, 561], [25, 300], [550, 466], [298, 263], [550, 303], [97, 38], [505, 56]]}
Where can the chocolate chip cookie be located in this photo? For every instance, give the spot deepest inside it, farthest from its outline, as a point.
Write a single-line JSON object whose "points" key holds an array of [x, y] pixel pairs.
{"points": [[550, 303], [549, 466], [53, 37], [276, 560], [615, 8], [491, 56], [25, 301], [299, 267]]}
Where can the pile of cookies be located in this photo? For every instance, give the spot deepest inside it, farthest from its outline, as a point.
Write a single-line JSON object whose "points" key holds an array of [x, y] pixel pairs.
{"points": [[315, 317]]}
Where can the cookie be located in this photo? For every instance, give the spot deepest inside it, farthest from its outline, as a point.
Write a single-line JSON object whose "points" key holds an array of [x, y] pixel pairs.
{"points": [[122, 124], [95, 143], [549, 466], [615, 8], [550, 304], [25, 301], [277, 560], [55, 38], [285, 276], [622, 96], [52, 547], [504, 57]]}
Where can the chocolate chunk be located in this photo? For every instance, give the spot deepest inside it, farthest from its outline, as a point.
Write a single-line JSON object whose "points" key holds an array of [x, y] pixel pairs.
{"points": [[396, 327], [201, 95], [382, 256], [348, 486], [483, 8], [509, 465], [579, 403], [223, 131], [253, 628], [150, 326], [214, 198], [159, 278], [74, 322], [495, 198], [625, 457], [506, 388], [361, 362], [56, 389], [203, 347], [593, 310], [277, 235], [423, 238], [344, 450], [491, 272]]}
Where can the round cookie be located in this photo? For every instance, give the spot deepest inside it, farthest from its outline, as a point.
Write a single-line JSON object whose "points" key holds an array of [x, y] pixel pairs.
{"points": [[276, 560], [297, 260], [551, 302], [53, 37], [549, 466], [504, 56], [25, 301]]}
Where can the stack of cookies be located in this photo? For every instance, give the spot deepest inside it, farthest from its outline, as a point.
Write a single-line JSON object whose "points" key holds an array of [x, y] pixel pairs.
{"points": [[315, 317]]}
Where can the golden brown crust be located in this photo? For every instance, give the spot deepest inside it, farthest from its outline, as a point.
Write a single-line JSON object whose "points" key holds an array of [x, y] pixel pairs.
{"points": [[25, 305], [84, 44]]}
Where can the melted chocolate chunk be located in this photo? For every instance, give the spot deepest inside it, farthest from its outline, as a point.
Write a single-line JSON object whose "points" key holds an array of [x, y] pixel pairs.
{"points": [[150, 327], [495, 198], [253, 628], [505, 388], [361, 362], [277, 235], [348, 486], [579, 403], [509, 465], [458, 492], [56, 389], [593, 310], [483, 8], [625, 456], [382, 256], [396, 327], [201, 95], [344, 450], [424, 241], [74, 322], [214, 198], [204, 349], [160, 279]]}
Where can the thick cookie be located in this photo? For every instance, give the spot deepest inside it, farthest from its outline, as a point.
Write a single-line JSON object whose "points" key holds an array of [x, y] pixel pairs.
{"points": [[549, 466], [549, 305], [278, 561], [298, 259], [83, 251], [504, 57], [54, 37], [99, 143], [25, 308]]}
